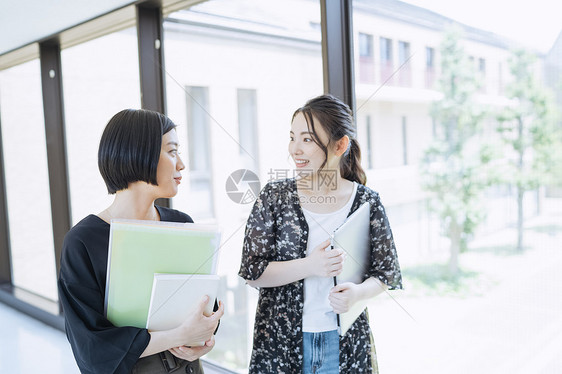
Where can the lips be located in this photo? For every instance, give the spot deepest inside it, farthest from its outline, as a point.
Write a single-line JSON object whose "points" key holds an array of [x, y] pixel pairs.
{"points": [[301, 163], [178, 180]]}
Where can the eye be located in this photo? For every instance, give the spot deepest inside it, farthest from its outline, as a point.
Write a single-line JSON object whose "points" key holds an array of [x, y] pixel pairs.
{"points": [[306, 140], [292, 138]]}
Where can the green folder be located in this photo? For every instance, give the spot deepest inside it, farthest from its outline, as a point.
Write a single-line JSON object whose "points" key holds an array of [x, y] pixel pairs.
{"points": [[139, 249]]}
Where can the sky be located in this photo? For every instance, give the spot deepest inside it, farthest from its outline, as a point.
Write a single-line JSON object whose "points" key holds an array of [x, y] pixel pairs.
{"points": [[534, 24]]}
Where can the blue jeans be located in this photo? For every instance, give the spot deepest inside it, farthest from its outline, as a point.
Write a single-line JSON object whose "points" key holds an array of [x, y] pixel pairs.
{"points": [[321, 352]]}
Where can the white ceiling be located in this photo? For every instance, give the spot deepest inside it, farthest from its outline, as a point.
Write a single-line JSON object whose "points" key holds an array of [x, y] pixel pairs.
{"points": [[26, 21]]}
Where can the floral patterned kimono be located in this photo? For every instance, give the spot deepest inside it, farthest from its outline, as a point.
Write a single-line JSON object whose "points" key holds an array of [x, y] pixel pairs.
{"points": [[277, 231]]}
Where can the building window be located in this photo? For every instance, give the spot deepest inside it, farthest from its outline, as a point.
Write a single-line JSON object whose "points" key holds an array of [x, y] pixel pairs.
{"points": [[482, 66], [405, 72], [404, 141], [429, 58], [248, 129], [366, 59], [369, 142], [482, 71], [386, 60], [500, 79], [433, 127], [199, 145], [429, 67]]}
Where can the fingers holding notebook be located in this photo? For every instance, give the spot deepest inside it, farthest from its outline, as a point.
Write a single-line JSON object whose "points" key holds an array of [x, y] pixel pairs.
{"points": [[198, 328]]}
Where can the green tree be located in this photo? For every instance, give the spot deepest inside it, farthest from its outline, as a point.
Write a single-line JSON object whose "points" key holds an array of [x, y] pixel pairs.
{"points": [[451, 167], [527, 127]]}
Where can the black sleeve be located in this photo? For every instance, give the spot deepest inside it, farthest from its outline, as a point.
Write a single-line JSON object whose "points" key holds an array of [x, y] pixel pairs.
{"points": [[98, 346], [384, 260], [259, 239]]}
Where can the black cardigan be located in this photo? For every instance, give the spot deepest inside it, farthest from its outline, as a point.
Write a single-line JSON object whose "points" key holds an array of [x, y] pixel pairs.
{"points": [[98, 346]]}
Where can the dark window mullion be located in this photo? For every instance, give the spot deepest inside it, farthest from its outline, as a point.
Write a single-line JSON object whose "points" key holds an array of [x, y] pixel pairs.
{"points": [[5, 259], [337, 49], [151, 62], [53, 110]]}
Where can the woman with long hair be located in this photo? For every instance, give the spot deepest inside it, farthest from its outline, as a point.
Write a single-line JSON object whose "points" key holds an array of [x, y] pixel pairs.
{"points": [[285, 251]]}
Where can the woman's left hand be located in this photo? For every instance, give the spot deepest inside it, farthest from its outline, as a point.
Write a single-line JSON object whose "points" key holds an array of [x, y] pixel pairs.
{"points": [[193, 353], [343, 296]]}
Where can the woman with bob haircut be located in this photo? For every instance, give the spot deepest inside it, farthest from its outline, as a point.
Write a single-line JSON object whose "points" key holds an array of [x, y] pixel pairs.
{"points": [[139, 162], [285, 251]]}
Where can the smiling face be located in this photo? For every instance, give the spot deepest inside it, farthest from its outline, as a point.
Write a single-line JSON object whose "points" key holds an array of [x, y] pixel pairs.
{"points": [[168, 174], [305, 152]]}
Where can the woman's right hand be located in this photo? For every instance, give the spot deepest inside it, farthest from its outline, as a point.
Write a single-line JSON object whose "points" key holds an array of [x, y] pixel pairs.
{"points": [[326, 262], [199, 328]]}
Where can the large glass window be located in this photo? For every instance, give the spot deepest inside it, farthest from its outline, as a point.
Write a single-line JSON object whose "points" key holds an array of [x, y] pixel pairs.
{"points": [[96, 86], [438, 135], [27, 180], [258, 61]]}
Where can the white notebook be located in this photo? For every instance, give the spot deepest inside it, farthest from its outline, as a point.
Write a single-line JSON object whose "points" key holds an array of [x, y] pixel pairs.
{"points": [[175, 296], [354, 237]]}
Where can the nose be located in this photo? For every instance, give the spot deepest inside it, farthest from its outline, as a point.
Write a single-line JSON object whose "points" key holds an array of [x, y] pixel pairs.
{"points": [[180, 165], [295, 147]]}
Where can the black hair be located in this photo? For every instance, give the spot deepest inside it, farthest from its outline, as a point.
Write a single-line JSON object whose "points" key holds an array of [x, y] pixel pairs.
{"points": [[130, 146], [336, 119]]}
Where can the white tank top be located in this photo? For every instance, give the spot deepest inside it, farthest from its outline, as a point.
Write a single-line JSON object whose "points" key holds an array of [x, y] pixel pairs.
{"points": [[318, 315]]}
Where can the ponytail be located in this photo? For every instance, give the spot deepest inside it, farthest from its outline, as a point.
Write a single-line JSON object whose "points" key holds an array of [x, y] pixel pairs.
{"points": [[350, 166]]}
